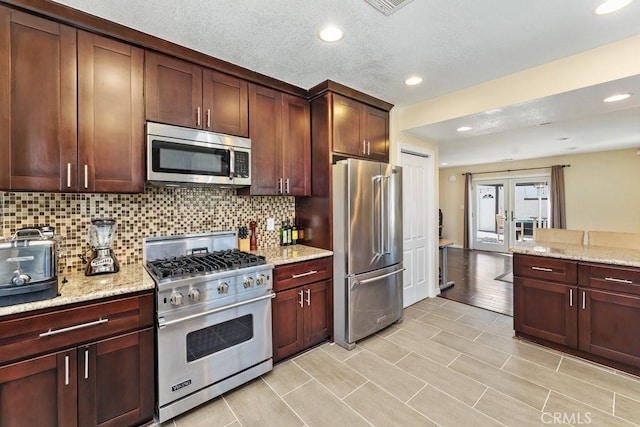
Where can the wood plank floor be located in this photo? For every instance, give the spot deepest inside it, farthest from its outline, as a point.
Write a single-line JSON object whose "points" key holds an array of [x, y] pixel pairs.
{"points": [[474, 274]]}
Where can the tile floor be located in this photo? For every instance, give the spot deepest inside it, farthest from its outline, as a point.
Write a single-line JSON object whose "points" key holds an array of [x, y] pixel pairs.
{"points": [[446, 364]]}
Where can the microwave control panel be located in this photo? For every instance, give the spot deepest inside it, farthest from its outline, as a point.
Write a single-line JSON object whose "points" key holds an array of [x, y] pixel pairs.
{"points": [[242, 164]]}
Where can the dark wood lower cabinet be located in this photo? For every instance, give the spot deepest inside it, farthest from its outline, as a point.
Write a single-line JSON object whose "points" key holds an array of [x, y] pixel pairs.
{"points": [[607, 325], [115, 381], [545, 310], [592, 314], [40, 391], [301, 318]]}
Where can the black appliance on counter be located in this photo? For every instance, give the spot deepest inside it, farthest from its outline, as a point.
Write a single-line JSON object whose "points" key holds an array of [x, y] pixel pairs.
{"points": [[28, 266]]}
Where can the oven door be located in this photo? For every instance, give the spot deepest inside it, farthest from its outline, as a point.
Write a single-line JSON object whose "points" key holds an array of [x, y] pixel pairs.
{"points": [[201, 349], [198, 163]]}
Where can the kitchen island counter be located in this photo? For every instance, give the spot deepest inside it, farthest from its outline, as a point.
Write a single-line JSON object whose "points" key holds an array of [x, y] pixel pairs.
{"points": [[598, 254], [81, 288], [279, 255]]}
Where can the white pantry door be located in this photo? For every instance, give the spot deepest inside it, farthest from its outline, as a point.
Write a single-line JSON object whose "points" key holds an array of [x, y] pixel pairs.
{"points": [[416, 214]]}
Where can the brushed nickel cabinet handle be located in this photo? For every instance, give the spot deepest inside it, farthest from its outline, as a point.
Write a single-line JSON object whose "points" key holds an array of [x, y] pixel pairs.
{"points": [[308, 273], [308, 297], [66, 370], [68, 175], [301, 302], [368, 148], [613, 279], [198, 117], [364, 147], [542, 269], [86, 364], [86, 176], [73, 328], [570, 297], [584, 300], [280, 186], [286, 186], [208, 117]]}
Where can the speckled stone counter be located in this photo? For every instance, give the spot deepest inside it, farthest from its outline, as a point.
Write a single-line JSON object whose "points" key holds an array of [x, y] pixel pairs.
{"points": [[600, 254], [279, 255], [79, 288]]}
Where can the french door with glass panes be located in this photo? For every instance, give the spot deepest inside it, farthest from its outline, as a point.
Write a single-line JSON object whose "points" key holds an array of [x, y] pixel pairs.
{"points": [[506, 211]]}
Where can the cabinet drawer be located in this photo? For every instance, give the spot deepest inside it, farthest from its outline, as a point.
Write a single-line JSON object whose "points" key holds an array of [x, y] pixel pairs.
{"points": [[292, 275], [616, 279], [36, 334], [538, 267]]}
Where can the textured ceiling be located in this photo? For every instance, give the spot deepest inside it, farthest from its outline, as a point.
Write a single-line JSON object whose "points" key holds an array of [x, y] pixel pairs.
{"points": [[451, 44]]}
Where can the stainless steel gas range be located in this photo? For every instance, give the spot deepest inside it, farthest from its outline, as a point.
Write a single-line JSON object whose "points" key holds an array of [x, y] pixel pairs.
{"points": [[213, 317]]}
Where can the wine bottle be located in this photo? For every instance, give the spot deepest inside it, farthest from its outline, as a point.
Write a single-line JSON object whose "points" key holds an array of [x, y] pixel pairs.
{"points": [[288, 226], [294, 232], [282, 234]]}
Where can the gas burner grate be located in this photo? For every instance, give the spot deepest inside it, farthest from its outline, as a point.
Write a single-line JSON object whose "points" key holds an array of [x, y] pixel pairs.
{"points": [[202, 263]]}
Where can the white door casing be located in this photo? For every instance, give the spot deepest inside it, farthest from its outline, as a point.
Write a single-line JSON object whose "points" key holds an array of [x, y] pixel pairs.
{"points": [[419, 236]]}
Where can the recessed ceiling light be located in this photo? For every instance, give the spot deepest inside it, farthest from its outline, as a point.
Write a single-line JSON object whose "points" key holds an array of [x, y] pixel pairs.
{"points": [[443, 164], [330, 34], [413, 80], [619, 97], [464, 129], [611, 6]]}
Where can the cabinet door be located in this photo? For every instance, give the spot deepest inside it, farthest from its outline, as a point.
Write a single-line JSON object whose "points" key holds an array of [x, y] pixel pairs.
{"points": [[38, 135], [225, 103], [347, 126], [287, 317], [317, 319], [377, 134], [265, 127], [546, 310], [115, 381], [173, 91], [605, 321], [39, 392], [110, 115], [296, 146]]}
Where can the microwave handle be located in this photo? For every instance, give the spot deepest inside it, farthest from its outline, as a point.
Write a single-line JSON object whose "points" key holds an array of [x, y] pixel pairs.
{"points": [[232, 163]]}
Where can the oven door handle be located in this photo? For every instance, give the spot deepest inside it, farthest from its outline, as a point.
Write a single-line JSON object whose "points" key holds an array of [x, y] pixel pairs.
{"points": [[162, 323]]}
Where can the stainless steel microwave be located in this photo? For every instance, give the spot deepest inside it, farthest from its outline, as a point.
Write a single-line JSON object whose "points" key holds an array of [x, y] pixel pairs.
{"points": [[178, 155]]}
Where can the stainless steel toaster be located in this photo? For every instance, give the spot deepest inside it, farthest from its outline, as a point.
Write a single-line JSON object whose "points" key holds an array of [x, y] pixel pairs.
{"points": [[28, 267]]}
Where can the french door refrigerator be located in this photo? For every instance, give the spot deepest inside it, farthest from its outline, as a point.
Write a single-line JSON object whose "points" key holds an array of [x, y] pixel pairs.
{"points": [[367, 248]]}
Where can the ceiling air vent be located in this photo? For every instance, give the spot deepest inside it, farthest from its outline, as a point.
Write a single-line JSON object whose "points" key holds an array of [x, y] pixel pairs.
{"points": [[388, 6]]}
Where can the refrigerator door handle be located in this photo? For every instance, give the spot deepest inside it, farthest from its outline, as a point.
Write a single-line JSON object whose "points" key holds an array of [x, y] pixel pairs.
{"points": [[377, 213], [373, 279], [383, 217]]}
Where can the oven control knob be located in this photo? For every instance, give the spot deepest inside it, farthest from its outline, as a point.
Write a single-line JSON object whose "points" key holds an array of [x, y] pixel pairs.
{"points": [[223, 288], [261, 280], [176, 298], [248, 282], [194, 295]]}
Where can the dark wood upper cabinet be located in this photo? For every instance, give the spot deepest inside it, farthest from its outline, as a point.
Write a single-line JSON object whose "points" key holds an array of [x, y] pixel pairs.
{"points": [[73, 109], [359, 130], [225, 103], [110, 115], [280, 143], [38, 136], [181, 93]]}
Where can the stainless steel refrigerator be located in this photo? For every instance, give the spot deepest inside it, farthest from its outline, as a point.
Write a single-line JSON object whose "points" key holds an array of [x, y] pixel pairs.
{"points": [[367, 247]]}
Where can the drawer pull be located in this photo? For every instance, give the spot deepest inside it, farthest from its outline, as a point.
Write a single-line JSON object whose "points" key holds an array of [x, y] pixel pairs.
{"points": [[549, 270], [613, 279], [308, 273], [73, 328]]}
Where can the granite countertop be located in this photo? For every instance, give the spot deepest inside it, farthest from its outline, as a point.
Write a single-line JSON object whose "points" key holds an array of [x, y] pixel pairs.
{"points": [[279, 255], [600, 254], [134, 278], [79, 288]]}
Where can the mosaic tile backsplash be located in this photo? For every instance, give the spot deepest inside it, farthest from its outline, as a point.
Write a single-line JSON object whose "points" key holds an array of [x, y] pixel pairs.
{"points": [[160, 211]]}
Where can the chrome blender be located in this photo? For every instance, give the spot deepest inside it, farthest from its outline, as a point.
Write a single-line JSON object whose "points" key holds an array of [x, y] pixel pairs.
{"points": [[100, 237]]}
